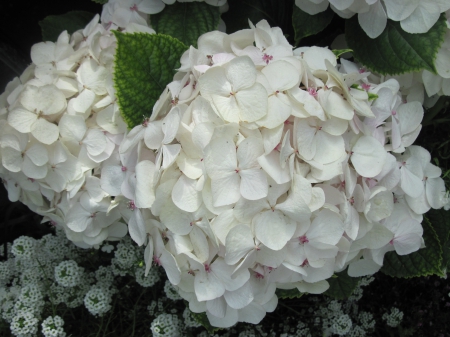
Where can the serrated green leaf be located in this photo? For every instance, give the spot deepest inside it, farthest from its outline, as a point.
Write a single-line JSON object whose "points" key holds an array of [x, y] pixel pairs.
{"points": [[339, 52], [307, 25], [144, 65], [53, 25], [440, 221], [424, 262], [288, 293], [277, 13], [202, 319], [396, 51], [342, 286], [186, 21]]}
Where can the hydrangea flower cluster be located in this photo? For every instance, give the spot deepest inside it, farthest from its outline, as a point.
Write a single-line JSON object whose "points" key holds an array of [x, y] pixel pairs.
{"points": [[274, 167], [414, 16], [261, 167]]}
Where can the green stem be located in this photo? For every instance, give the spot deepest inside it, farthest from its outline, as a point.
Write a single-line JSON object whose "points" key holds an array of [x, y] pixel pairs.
{"points": [[288, 307]]}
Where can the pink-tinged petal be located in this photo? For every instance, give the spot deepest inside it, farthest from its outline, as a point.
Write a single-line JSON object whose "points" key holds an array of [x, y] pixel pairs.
{"points": [[241, 72], [199, 243], [214, 82], [185, 194], [248, 152], [44, 131], [363, 267], [145, 184], [374, 21], [136, 227], [171, 267], [271, 165], [207, 286], [241, 297], [368, 156], [407, 244], [253, 184], [170, 153], [252, 103], [238, 243], [273, 229], [230, 319], [278, 112], [252, 313], [411, 184], [327, 228], [220, 158], [21, 120], [217, 307], [225, 191]]}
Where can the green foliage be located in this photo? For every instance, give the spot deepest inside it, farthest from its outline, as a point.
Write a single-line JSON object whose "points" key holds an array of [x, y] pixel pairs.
{"points": [[396, 51], [288, 293], [202, 319], [342, 286], [424, 262], [440, 220], [144, 65], [186, 21], [53, 25], [307, 25], [339, 52], [276, 12], [101, 2]]}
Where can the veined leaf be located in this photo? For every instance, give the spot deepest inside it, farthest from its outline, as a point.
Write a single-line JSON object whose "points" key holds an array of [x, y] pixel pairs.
{"points": [[53, 25], [396, 51], [203, 320], [186, 21], [440, 221], [426, 261], [342, 286], [339, 52], [306, 25], [144, 65]]}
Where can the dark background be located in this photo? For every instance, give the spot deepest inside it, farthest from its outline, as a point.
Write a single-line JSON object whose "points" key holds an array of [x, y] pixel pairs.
{"points": [[19, 30]]}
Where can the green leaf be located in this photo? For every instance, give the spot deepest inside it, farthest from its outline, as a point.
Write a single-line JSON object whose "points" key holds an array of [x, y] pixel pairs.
{"points": [[342, 286], [440, 221], [426, 261], [53, 25], [307, 25], [396, 51], [202, 319], [372, 96], [277, 13], [288, 293], [339, 52], [186, 21], [144, 65], [101, 2]]}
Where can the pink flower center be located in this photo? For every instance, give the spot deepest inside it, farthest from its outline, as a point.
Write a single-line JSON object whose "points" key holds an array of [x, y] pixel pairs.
{"points": [[312, 91], [267, 58], [362, 70], [134, 8], [259, 276], [156, 260], [303, 239], [365, 86], [207, 268], [305, 263], [393, 112], [131, 205], [124, 168]]}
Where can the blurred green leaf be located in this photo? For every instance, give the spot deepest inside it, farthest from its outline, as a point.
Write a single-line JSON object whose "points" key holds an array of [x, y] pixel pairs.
{"points": [[307, 25], [396, 51], [342, 286], [53, 25], [186, 21]]}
